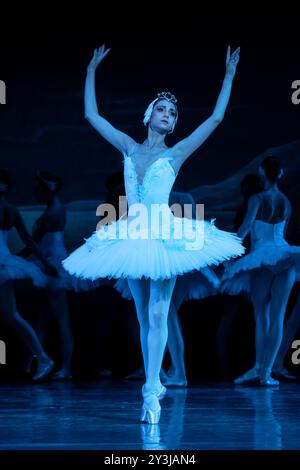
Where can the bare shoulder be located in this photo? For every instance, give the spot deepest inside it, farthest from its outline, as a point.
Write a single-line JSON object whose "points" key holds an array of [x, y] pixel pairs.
{"points": [[286, 201], [254, 200]]}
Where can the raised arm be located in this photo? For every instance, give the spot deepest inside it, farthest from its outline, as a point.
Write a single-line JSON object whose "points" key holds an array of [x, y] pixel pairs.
{"points": [[184, 148], [252, 208], [118, 139]]}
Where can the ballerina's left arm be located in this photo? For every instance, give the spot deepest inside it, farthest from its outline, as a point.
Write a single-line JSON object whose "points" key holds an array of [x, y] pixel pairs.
{"points": [[252, 208], [183, 149]]}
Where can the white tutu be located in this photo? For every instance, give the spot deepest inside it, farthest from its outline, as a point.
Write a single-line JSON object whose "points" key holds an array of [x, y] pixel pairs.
{"points": [[198, 285], [14, 268], [268, 249], [149, 258], [151, 249]]}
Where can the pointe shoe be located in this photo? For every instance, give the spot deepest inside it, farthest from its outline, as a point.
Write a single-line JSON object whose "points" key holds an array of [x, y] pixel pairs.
{"points": [[283, 373], [151, 408], [159, 392], [269, 382], [44, 369], [251, 375]]}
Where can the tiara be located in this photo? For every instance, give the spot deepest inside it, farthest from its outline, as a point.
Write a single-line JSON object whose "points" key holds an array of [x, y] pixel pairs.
{"points": [[166, 95]]}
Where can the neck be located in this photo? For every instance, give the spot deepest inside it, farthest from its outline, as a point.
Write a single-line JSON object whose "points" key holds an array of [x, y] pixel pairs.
{"points": [[270, 185], [154, 139]]}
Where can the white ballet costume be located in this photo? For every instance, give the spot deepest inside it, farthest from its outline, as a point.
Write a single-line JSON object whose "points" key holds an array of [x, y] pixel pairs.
{"points": [[151, 250], [14, 268], [268, 249]]}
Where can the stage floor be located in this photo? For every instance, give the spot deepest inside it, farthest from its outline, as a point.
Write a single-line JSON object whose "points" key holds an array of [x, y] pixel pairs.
{"points": [[105, 415]]}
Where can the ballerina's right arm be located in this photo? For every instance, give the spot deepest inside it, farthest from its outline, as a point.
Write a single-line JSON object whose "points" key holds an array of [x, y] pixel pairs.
{"points": [[118, 139], [252, 208]]}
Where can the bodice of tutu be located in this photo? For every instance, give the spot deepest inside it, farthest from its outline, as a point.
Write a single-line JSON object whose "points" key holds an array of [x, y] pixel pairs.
{"points": [[156, 185], [264, 233], [4, 250]]}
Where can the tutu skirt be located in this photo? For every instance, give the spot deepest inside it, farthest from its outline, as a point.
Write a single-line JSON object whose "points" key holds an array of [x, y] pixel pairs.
{"points": [[276, 258], [107, 254]]}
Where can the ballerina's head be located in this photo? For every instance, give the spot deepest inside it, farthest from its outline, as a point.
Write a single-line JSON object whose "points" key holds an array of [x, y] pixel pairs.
{"points": [[162, 113], [271, 169]]}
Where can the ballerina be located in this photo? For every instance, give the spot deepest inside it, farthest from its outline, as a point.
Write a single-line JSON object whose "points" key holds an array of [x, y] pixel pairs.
{"points": [[13, 268], [268, 272], [150, 255]]}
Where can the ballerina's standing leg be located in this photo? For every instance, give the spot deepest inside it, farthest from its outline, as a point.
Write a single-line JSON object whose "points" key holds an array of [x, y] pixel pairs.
{"points": [[176, 343], [270, 294], [152, 301], [140, 290], [280, 292], [58, 304], [260, 281], [159, 303]]}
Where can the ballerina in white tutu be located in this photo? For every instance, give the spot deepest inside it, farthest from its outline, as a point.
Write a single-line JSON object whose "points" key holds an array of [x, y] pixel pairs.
{"points": [[268, 272], [151, 254], [13, 268]]}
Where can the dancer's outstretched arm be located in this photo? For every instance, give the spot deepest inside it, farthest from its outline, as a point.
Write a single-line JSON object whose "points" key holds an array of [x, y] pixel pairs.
{"points": [[252, 208], [183, 149], [118, 139]]}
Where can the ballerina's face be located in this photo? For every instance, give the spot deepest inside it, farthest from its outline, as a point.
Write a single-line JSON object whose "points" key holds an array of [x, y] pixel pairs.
{"points": [[163, 116]]}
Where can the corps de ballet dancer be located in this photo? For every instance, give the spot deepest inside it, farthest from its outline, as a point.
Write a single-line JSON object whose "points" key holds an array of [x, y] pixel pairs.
{"points": [[268, 271], [14, 268], [48, 233]]}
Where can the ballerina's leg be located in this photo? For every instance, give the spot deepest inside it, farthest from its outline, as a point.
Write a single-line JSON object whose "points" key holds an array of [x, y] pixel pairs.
{"points": [[175, 342], [281, 289], [140, 289], [14, 320], [58, 303], [159, 304], [261, 281]]}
